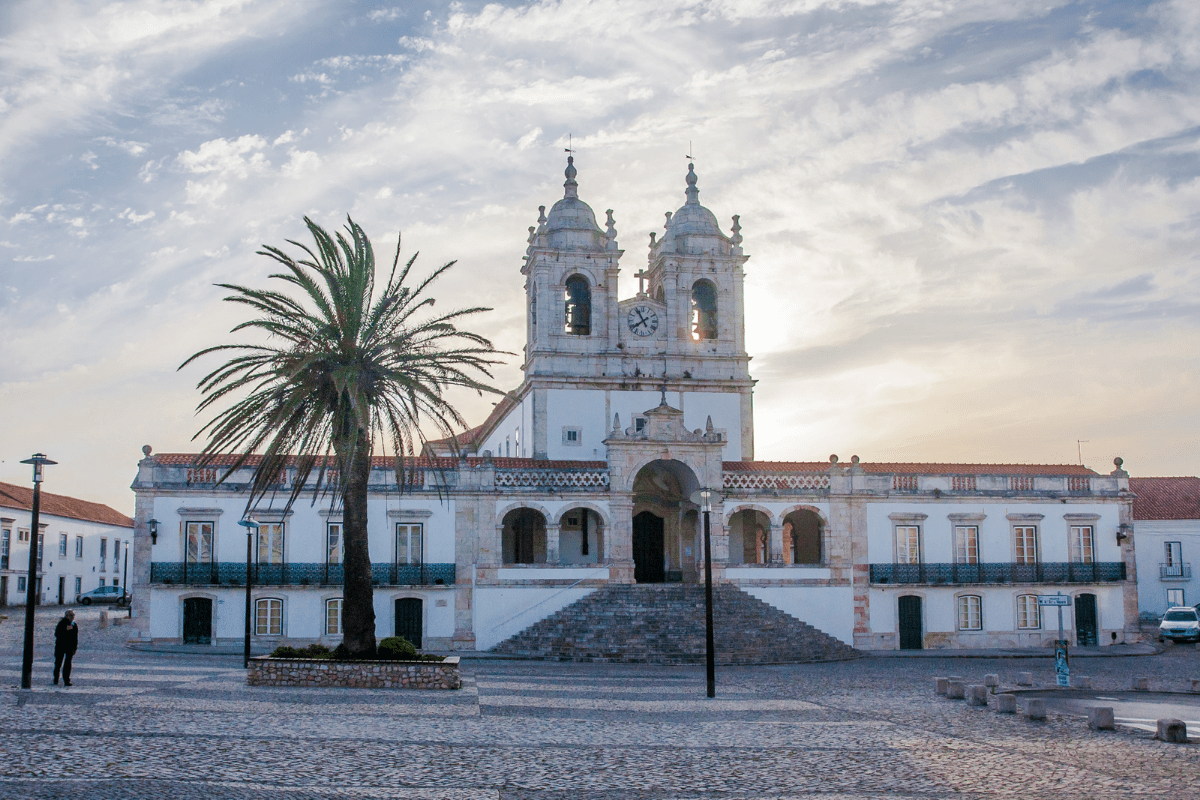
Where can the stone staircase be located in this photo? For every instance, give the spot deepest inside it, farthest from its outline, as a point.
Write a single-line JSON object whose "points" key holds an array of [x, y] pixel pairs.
{"points": [[664, 624]]}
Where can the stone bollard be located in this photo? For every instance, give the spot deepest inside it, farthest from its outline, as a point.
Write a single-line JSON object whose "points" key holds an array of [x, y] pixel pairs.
{"points": [[954, 690], [977, 695], [1024, 679], [1036, 708], [1172, 730], [1082, 681], [1141, 684], [1006, 703], [1100, 718], [991, 681], [1196, 684], [103, 618], [940, 685]]}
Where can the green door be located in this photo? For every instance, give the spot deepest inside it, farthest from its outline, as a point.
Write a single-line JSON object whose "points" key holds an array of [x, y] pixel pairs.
{"points": [[911, 626], [1085, 621], [197, 620], [408, 619]]}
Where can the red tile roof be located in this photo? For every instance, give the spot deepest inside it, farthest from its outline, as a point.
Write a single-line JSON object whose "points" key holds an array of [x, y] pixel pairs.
{"points": [[471, 438], [911, 468], [1166, 498], [21, 497]]}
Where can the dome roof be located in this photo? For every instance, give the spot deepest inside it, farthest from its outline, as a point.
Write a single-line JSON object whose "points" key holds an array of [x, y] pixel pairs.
{"points": [[693, 228], [571, 223]]}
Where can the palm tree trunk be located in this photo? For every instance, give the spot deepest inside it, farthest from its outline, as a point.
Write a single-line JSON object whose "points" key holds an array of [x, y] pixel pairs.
{"points": [[358, 609]]}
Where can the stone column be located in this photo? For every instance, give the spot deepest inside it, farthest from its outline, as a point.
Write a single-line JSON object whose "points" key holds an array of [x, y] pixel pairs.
{"points": [[618, 540], [775, 537], [552, 534]]}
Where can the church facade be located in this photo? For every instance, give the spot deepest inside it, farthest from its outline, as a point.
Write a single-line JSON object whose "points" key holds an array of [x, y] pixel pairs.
{"points": [[586, 475]]}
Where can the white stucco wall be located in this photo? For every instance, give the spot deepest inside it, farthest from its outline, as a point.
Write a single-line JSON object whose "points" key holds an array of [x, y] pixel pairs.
{"points": [[504, 612], [829, 609], [578, 408], [89, 568], [1150, 539]]}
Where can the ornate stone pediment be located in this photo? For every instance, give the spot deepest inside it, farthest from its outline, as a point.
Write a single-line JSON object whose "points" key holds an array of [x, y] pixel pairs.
{"points": [[664, 424]]}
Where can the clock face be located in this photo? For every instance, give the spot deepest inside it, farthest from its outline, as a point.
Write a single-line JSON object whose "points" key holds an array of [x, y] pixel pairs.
{"points": [[643, 320]]}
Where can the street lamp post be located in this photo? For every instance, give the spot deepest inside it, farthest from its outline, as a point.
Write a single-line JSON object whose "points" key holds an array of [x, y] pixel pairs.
{"points": [[38, 461], [703, 498], [251, 528]]}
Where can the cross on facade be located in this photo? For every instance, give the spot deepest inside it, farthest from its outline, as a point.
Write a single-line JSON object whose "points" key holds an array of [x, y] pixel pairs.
{"points": [[642, 277]]}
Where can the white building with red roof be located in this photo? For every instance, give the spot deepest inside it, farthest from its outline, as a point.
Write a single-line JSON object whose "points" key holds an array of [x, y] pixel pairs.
{"points": [[1167, 516], [582, 484], [83, 546]]}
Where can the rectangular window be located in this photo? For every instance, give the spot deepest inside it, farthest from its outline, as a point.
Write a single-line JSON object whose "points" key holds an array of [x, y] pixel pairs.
{"points": [[1029, 616], [333, 617], [1082, 551], [1026, 544], [908, 544], [116, 583], [270, 543], [5, 546], [1173, 552], [103, 554], [102, 583], [79, 547], [116, 555], [970, 613], [41, 542], [268, 617], [22, 534], [62, 545], [1175, 597], [966, 544], [639, 423], [20, 583], [333, 543], [78, 585], [199, 542], [408, 543]]}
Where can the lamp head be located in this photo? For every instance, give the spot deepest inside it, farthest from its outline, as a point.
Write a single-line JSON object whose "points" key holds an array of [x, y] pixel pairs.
{"points": [[153, 526], [38, 460]]}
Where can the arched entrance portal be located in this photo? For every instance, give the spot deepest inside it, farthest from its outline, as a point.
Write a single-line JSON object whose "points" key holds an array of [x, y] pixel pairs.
{"points": [[665, 541]]}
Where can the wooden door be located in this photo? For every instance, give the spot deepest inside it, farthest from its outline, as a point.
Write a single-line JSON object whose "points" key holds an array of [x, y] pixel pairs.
{"points": [[911, 624], [648, 562], [1085, 621], [197, 620], [408, 619]]}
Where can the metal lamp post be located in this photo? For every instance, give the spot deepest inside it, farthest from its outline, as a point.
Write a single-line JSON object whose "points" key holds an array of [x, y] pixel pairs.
{"points": [[38, 461], [251, 528], [703, 498]]}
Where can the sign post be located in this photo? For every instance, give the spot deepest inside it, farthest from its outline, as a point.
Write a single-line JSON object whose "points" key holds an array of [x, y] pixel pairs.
{"points": [[1062, 663]]}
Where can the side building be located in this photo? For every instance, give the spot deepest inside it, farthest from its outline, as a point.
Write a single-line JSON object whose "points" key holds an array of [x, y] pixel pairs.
{"points": [[584, 478], [1167, 516], [81, 546]]}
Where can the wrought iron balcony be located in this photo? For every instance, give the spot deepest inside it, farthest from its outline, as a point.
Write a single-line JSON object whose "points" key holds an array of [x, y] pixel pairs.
{"points": [[998, 573], [1175, 572], [233, 573]]}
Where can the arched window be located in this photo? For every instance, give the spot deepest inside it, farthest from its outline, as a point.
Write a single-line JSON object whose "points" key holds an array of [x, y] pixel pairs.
{"points": [[1029, 616], [579, 306], [970, 612], [524, 537], [333, 617], [704, 311], [802, 538], [268, 617]]}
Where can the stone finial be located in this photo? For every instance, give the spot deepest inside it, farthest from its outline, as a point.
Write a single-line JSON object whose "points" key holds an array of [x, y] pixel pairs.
{"points": [[693, 194], [652, 235], [833, 459], [611, 233], [736, 230], [667, 224], [1119, 472], [532, 238], [616, 423], [570, 187], [147, 450], [541, 219]]}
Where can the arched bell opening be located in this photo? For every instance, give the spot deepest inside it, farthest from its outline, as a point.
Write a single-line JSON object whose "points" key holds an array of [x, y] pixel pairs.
{"points": [[802, 538], [523, 540], [704, 311], [578, 306]]}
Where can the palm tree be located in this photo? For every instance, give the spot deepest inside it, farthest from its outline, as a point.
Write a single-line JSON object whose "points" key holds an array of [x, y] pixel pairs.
{"points": [[339, 367]]}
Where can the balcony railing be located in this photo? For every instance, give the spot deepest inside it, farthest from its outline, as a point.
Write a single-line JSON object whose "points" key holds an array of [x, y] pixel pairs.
{"points": [[233, 573], [957, 574], [1175, 572]]}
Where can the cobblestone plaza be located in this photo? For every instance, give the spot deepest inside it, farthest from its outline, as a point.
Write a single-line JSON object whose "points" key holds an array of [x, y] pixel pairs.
{"points": [[155, 725]]}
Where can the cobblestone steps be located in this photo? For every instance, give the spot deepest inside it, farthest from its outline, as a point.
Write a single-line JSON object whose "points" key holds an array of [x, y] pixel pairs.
{"points": [[664, 624]]}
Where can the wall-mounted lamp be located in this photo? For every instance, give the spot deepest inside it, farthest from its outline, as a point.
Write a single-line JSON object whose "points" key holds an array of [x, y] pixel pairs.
{"points": [[153, 526], [1123, 531]]}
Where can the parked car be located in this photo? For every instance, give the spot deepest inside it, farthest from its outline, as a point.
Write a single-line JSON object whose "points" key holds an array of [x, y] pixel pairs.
{"points": [[1180, 623], [105, 594]]}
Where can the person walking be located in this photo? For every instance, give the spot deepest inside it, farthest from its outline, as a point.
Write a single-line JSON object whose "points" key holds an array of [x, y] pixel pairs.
{"points": [[66, 642]]}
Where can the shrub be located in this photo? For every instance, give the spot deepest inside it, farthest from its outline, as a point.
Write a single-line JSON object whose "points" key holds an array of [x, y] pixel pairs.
{"points": [[285, 652], [316, 651], [396, 648], [341, 653]]}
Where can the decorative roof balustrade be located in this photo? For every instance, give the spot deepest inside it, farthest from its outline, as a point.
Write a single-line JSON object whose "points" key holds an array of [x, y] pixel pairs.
{"points": [[556, 478], [775, 480]]}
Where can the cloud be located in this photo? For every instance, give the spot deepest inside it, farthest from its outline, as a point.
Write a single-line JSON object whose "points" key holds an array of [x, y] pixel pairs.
{"points": [[226, 157], [34, 258], [134, 217]]}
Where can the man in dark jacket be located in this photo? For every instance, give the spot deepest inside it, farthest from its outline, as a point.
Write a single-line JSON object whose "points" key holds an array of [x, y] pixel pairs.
{"points": [[66, 642]]}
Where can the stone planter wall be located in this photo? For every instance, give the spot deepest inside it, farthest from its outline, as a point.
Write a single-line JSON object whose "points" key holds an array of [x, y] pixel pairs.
{"points": [[319, 672]]}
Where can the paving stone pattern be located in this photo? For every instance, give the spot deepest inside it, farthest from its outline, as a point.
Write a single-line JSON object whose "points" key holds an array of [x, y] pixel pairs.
{"points": [[664, 624], [140, 725]]}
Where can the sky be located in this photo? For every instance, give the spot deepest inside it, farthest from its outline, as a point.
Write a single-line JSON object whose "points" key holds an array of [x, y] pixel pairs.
{"points": [[972, 225]]}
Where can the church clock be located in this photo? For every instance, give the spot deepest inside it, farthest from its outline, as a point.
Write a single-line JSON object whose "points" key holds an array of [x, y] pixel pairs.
{"points": [[643, 320]]}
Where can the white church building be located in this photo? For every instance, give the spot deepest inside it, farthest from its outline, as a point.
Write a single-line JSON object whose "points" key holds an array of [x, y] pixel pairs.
{"points": [[580, 482]]}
